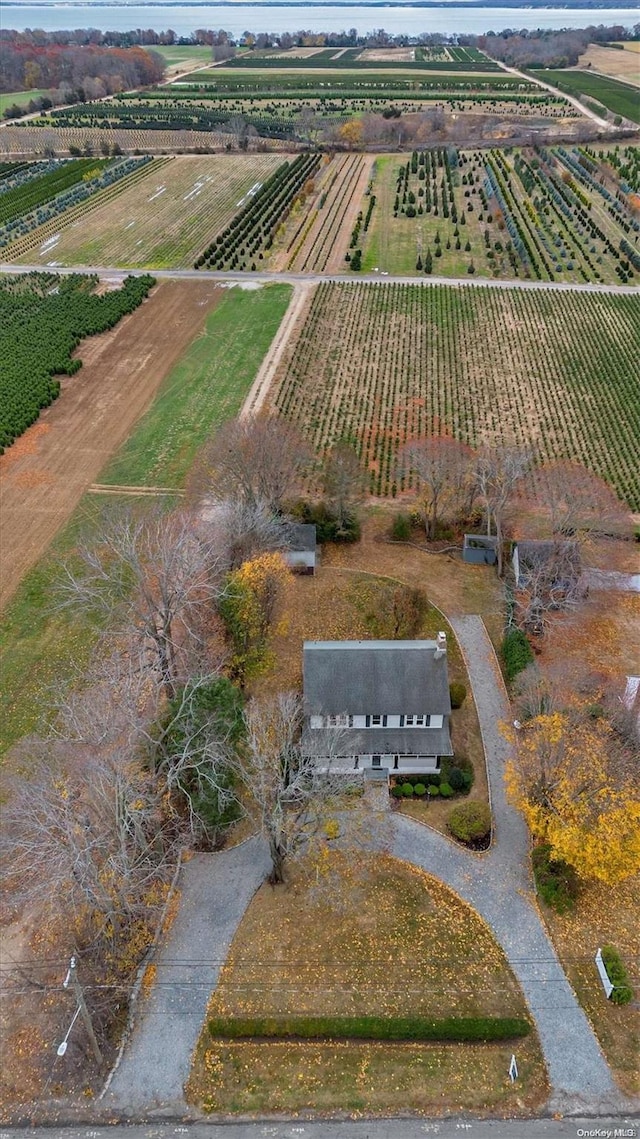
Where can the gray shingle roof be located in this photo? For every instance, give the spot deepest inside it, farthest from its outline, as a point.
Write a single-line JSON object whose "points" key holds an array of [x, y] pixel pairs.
{"points": [[374, 677], [378, 741], [302, 536]]}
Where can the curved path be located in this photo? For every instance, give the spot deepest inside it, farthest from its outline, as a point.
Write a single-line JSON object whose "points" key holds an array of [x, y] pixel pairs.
{"points": [[498, 886], [215, 890]]}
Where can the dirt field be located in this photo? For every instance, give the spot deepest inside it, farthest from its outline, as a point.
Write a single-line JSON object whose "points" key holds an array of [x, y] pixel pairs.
{"points": [[325, 244], [610, 61], [44, 475], [162, 221]]}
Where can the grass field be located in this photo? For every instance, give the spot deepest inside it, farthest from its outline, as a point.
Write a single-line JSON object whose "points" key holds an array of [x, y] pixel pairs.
{"points": [[40, 650], [163, 220], [619, 98], [22, 98], [183, 54], [390, 940], [383, 363]]}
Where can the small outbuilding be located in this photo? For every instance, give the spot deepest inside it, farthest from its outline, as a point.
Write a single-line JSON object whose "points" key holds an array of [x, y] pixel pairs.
{"points": [[480, 550], [302, 553]]}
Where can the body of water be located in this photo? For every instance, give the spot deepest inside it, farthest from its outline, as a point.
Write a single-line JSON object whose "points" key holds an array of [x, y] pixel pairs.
{"points": [[238, 18]]}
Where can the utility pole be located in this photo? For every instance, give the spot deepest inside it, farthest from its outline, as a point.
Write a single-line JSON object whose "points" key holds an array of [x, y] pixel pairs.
{"points": [[72, 979]]}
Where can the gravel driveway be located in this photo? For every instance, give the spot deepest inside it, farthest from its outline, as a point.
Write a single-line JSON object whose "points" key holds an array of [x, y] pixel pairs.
{"points": [[215, 892]]}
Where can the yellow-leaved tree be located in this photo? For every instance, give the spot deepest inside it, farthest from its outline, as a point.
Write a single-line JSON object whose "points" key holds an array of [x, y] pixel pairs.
{"points": [[249, 607], [573, 781]]}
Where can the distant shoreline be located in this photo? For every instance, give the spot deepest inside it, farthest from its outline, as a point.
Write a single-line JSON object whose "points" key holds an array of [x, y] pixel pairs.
{"points": [[516, 5]]}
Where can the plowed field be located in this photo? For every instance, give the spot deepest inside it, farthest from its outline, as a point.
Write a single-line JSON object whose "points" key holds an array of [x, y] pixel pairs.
{"points": [[43, 476]]}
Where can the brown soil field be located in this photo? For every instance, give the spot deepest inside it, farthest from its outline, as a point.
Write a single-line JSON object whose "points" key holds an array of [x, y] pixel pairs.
{"points": [[326, 242], [609, 61], [45, 473]]}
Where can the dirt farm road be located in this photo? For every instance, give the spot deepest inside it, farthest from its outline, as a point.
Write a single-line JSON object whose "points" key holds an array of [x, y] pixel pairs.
{"points": [[253, 279]]}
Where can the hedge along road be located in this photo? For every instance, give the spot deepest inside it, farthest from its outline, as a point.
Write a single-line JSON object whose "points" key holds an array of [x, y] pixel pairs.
{"points": [[249, 279]]}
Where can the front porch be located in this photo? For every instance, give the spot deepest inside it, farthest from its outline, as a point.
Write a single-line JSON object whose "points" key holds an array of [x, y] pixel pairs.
{"points": [[386, 764]]}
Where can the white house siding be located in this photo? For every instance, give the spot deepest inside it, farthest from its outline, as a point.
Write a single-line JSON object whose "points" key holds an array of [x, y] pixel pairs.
{"points": [[406, 764]]}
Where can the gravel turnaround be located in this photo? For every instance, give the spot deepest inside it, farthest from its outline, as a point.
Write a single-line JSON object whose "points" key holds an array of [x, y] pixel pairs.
{"points": [[215, 890], [499, 887]]}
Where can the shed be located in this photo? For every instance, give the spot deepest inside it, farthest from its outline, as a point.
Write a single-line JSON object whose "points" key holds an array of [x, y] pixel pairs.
{"points": [[480, 550], [301, 555]]}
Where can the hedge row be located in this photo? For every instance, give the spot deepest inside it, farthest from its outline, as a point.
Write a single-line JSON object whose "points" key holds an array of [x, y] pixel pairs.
{"points": [[458, 1028]]}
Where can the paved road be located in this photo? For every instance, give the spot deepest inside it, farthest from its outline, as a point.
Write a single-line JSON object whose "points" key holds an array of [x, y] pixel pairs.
{"points": [[215, 890], [498, 885], [624, 1127], [249, 279]]}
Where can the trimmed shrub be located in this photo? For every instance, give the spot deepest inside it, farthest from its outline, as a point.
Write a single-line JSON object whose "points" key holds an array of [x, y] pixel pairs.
{"points": [[457, 693], [446, 790], [407, 789], [400, 530], [420, 790], [396, 792], [516, 653], [557, 882], [433, 779], [622, 991], [458, 1028], [434, 789], [456, 779], [470, 822]]}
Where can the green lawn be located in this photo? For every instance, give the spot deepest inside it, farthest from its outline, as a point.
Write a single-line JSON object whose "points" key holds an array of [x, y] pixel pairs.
{"points": [[40, 649], [176, 53], [22, 98], [207, 386], [619, 98]]}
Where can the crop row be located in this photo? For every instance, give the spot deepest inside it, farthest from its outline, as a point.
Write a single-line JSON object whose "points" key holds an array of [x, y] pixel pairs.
{"points": [[253, 229], [24, 198], [39, 332], [383, 363], [137, 116], [83, 210], [99, 179]]}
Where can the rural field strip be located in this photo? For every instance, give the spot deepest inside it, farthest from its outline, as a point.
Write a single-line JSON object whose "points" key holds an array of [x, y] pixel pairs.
{"points": [[253, 279], [343, 196], [260, 387], [602, 123]]}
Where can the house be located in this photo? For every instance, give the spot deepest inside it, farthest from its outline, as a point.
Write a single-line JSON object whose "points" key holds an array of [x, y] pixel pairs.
{"points": [[480, 550], [377, 705], [301, 556]]}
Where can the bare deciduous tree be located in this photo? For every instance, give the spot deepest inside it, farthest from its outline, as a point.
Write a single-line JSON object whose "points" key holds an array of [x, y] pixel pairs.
{"points": [[255, 459], [290, 788], [445, 476], [498, 472], [343, 482], [243, 529], [577, 503], [154, 576]]}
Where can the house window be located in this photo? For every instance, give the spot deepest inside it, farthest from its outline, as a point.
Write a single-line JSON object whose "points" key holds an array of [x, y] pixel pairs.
{"points": [[340, 721], [376, 721], [376, 760], [419, 721]]}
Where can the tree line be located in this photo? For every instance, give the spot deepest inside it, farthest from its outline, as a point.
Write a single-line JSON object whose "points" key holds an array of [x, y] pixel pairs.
{"points": [[78, 72]]}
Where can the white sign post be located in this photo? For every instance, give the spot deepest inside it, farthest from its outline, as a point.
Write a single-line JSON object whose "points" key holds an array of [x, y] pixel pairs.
{"points": [[513, 1070], [604, 976]]}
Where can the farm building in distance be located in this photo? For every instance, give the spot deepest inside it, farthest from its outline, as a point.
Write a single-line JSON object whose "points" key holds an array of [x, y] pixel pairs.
{"points": [[377, 705]]}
